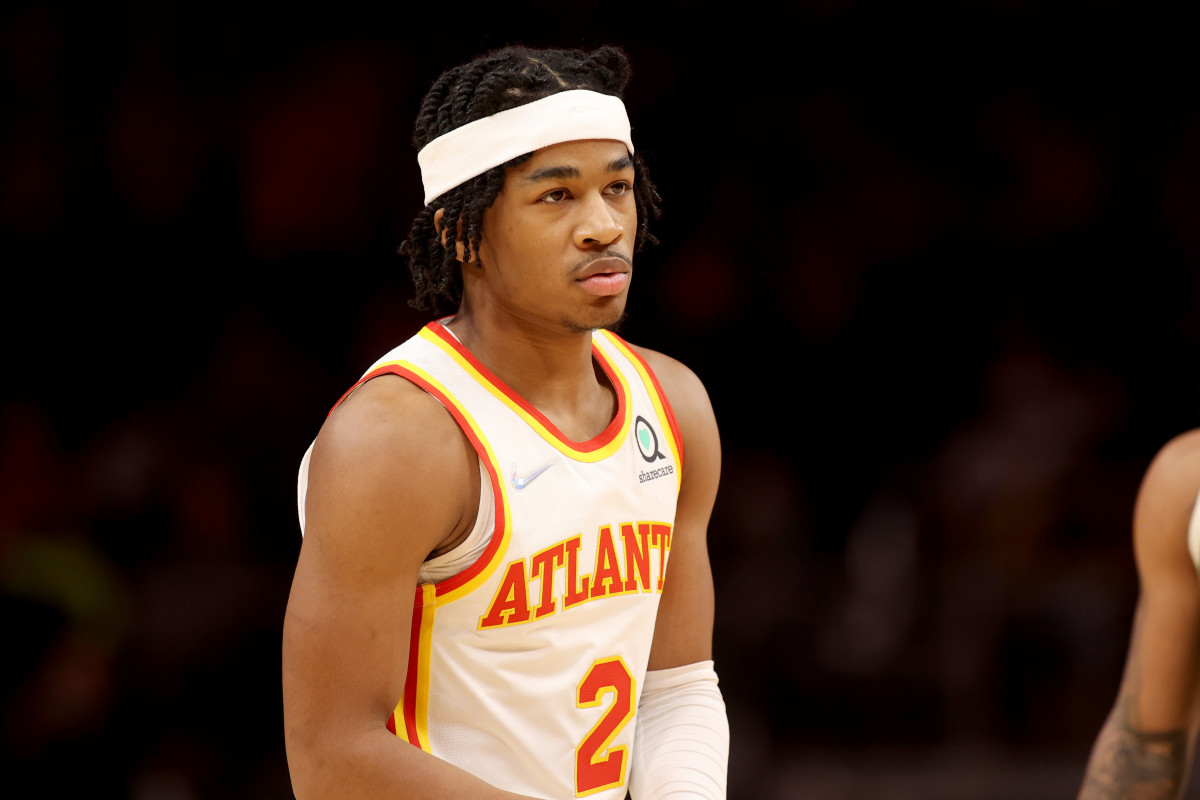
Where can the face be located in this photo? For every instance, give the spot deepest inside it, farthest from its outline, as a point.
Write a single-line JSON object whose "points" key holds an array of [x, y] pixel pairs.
{"points": [[557, 245]]}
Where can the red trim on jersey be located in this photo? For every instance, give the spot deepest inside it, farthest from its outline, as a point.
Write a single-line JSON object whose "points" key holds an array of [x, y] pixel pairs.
{"points": [[485, 558], [414, 647], [604, 438], [373, 374], [452, 583], [411, 679], [661, 394]]}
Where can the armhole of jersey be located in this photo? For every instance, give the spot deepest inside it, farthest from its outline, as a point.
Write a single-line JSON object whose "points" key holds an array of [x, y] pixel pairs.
{"points": [[1194, 533], [302, 486], [306, 460], [464, 555]]}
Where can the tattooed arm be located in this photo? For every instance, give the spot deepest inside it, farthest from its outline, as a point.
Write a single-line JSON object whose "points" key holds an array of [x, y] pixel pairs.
{"points": [[1128, 764], [1143, 751]]}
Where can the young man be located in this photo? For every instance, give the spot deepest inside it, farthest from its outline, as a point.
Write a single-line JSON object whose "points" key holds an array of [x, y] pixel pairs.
{"points": [[503, 589], [1144, 749]]}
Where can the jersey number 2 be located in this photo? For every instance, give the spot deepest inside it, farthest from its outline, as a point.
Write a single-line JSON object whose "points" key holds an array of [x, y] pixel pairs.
{"points": [[597, 766]]}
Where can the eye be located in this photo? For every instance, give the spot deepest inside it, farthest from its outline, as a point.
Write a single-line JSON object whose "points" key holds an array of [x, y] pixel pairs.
{"points": [[620, 188], [556, 196]]}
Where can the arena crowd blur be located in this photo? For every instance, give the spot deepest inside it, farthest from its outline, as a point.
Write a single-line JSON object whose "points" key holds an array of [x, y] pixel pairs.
{"points": [[936, 262]]}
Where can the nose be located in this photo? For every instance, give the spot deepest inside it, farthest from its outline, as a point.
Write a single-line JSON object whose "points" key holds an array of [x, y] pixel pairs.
{"points": [[599, 225]]}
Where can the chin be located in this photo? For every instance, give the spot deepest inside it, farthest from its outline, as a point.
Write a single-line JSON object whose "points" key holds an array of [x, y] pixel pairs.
{"points": [[614, 325], [605, 318]]}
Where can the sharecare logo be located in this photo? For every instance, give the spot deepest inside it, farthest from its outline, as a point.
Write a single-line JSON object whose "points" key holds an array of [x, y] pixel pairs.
{"points": [[647, 440], [661, 472]]}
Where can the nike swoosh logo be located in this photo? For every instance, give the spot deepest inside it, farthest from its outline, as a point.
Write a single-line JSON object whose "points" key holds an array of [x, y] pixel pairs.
{"points": [[521, 483]]}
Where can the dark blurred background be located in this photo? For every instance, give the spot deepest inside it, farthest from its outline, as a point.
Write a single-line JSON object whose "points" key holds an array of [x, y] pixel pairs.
{"points": [[935, 261]]}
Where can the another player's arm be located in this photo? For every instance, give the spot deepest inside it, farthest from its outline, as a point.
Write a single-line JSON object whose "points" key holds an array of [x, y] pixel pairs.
{"points": [[1144, 748], [390, 481]]}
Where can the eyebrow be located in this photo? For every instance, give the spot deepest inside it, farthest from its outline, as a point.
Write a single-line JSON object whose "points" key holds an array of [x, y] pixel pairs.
{"points": [[562, 172]]}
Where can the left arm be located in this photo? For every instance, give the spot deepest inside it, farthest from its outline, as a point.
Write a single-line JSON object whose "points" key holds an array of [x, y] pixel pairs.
{"points": [[681, 750], [683, 632], [1144, 749]]}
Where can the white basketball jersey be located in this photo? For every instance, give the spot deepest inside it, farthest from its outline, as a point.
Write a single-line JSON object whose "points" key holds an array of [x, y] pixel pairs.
{"points": [[526, 666]]}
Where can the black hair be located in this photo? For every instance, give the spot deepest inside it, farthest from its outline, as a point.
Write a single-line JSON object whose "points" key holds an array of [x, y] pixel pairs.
{"points": [[497, 81]]}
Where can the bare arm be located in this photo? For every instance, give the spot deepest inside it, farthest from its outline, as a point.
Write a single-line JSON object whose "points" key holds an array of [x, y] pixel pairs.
{"points": [[390, 481], [1143, 751], [683, 631], [682, 744]]}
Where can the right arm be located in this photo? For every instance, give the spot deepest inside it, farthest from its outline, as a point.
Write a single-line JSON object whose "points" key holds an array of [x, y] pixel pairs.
{"points": [[390, 481], [1144, 749]]}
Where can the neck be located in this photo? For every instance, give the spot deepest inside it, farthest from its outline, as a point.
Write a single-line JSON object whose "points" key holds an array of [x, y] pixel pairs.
{"points": [[551, 368]]}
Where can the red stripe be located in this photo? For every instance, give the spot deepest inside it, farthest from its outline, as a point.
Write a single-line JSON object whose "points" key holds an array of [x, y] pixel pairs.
{"points": [[373, 374], [414, 665], [450, 584], [414, 647], [454, 582], [466, 575]]}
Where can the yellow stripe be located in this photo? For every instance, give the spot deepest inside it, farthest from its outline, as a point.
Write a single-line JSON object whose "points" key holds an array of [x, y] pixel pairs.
{"points": [[659, 408], [564, 447], [428, 597], [421, 692]]}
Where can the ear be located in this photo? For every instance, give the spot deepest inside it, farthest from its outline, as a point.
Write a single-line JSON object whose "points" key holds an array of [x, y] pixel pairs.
{"points": [[459, 246]]}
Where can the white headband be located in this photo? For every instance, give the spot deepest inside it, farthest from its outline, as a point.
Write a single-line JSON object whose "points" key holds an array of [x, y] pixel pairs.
{"points": [[476, 147]]}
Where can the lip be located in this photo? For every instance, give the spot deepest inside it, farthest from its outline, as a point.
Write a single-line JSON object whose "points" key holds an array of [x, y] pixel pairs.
{"points": [[605, 284], [605, 265], [604, 277]]}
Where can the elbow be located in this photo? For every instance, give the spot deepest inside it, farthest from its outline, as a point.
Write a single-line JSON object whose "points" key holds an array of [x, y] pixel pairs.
{"points": [[332, 760], [310, 764], [303, 776]]}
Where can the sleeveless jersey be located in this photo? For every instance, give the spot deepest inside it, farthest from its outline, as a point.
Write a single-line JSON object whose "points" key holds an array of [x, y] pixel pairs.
{"points": [[526, 665]]}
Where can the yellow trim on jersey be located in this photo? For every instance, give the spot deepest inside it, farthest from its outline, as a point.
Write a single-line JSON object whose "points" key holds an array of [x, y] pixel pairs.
{"points": [[565, 447], [430, 599], [659, 409], [424, 653]]}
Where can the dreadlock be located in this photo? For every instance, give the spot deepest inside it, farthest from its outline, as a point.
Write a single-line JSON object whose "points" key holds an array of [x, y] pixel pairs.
{"points": [[494, 82]]}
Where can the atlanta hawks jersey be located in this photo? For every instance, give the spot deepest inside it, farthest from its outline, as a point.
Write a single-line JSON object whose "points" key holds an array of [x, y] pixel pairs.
{"points": [[527, 656]]}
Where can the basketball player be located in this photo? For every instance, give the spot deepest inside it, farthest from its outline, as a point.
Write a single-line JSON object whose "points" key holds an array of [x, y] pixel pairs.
{"points": [[1144, 749], [503, 589]]}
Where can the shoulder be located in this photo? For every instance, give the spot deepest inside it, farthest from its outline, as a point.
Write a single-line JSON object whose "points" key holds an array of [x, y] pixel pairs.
{"points": [[382, 418], [692, 407], [1180, 453], [681, 385], [390, 451], [1166, 499], [1169, 487]]}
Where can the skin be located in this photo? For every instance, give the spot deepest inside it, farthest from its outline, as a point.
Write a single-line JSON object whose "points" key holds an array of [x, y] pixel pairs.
{"points": [[393, 480], [1143, 751]]}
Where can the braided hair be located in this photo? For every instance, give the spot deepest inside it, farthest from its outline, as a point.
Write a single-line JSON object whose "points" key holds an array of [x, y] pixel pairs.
{"points": [[495, 82]]}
